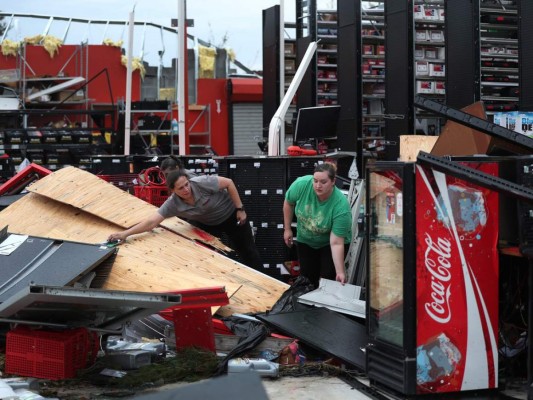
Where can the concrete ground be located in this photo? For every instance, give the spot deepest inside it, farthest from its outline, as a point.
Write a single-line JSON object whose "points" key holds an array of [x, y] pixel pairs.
{"points": [[311, 388], [284, 388]]}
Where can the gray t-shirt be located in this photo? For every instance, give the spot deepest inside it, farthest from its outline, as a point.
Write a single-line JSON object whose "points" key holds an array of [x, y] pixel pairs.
{"points": [[212, 206]]}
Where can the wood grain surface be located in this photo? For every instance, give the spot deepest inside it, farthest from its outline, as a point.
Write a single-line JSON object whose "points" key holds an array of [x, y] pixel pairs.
{"points": [[156, 261], [85, 191]]}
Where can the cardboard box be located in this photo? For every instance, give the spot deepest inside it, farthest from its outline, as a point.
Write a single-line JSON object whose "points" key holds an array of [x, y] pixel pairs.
{"points": [[430, 53], [422, 68], [290, 66], [381, 50], [436, 36], [368, 49], [440, 87], [422, 35], [437, 69], [289, 48], [418, 11], [427, 87], [77, 95], [431, 14]]}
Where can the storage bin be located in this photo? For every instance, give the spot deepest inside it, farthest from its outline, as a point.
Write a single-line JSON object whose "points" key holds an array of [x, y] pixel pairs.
{"points": [[49, 354]]}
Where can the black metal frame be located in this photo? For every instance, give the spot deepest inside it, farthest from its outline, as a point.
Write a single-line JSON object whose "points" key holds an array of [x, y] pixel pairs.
{"points": [[513, 139], [399, 80], [525, 54], [463, 56], [271, 59], [349, 74], [388, 364]]}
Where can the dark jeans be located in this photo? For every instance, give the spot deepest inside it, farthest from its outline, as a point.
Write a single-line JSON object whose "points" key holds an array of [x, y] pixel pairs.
{"points": [[317, 263], [242, 240]]}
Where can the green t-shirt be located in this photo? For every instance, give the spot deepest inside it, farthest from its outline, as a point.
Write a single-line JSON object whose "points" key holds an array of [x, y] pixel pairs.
{"points": [[316, 219]]}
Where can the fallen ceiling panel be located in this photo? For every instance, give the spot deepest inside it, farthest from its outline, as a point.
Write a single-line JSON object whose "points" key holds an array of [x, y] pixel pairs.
{"points": [[86, 191], [47, 262], [159, 261], [325, 330], [93, 308]]}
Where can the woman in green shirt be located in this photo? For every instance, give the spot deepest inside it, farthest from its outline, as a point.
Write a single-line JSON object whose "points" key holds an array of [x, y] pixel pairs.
{"points": [[324, 222]]}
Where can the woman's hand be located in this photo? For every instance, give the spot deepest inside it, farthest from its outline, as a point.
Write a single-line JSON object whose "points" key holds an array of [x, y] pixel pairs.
{"points": [[287, 237], [117, 236], [241, 217], [341, 278]]}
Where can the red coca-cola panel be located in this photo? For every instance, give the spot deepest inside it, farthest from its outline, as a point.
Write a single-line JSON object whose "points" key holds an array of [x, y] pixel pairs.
{"points": [[457, 282]]}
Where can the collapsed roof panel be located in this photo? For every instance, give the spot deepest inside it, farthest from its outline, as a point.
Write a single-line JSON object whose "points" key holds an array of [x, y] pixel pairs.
{"points": [[46, 262], [95, 196], [94, 308], [159, 261]]}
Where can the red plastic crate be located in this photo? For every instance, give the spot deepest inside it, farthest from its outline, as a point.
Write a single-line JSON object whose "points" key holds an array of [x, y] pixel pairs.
{"points": [[155, 195], [122, 181], [49, 354]]}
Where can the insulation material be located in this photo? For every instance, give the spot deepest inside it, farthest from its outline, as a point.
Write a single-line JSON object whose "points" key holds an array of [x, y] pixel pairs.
{"points": [[136, 64], [52, 44], [109, 42], [95, 196], [10, 48], [33, 39], [157, 261], [206, 56]]}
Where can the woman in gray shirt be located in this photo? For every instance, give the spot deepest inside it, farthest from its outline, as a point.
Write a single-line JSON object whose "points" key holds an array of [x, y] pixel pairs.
{"points": [[213, 203]]}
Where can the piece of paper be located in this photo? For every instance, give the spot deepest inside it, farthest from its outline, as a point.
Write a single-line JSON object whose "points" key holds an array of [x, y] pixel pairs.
{"points": [[337, 297], [12, 243]]}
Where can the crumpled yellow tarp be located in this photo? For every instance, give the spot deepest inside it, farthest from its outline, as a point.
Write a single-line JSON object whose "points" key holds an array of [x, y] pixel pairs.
{"points": [[10, 48], [206, 62], [109, 42], [136, 64]]}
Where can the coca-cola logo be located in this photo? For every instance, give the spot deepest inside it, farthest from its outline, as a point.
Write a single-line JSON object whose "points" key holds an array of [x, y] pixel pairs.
{"points": [[437, 262]]}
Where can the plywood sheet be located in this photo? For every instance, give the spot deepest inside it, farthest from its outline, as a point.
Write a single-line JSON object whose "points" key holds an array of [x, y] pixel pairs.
{"points": [[148, 262], [95, 196], [411, 145]]}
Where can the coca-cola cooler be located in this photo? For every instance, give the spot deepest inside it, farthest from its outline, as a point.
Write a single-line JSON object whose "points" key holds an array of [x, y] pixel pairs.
{"points": [[432, 280]]}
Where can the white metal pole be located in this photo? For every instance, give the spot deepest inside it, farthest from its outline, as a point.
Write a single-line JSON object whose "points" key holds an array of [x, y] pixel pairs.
{"points": [[282, 71], [279, 116], [127, 128], [182, 20]]}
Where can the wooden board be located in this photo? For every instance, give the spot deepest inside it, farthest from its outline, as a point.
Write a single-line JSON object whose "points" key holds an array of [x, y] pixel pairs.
{"points": [[149, 262], [95, 196], [411, 145]]}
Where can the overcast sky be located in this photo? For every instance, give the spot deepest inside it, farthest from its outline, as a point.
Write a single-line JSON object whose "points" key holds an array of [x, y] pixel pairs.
{"points": [[238, 20]]}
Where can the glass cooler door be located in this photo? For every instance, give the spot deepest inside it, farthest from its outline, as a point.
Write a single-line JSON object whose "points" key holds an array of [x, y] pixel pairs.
{"points": [[391, 273]]}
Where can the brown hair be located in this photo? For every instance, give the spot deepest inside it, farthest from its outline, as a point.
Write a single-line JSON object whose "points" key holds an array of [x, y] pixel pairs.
{"points": [[173, 177], [328, 167], [171, 163]]}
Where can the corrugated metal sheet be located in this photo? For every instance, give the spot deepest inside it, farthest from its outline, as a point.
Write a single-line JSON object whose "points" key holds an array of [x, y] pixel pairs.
{"points": [[247, 128]]}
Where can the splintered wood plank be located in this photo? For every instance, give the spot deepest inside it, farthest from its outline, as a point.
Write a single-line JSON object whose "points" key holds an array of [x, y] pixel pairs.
{"points": [[148, 262], [85, 191]]}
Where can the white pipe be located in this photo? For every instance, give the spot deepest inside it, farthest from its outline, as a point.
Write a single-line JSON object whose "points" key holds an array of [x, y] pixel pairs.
{"points": [[127, 128], [182, 20], [279, 117]]}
